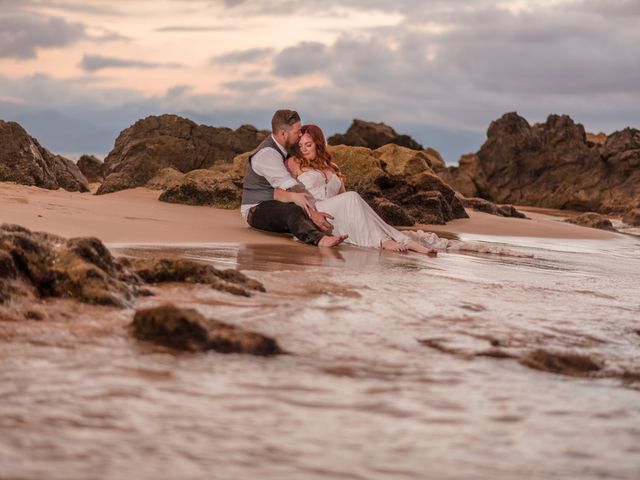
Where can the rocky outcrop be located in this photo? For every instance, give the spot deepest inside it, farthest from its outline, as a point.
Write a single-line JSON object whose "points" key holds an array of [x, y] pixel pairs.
{"points": [[372, 135], [23, 160], [632, 217], [186, 329], [40, 265], [165, 179], [205, 187], [393, 177], [552, 165], [592, 220], [92, 168], [162, 270], [158, 142], [485, 206]]}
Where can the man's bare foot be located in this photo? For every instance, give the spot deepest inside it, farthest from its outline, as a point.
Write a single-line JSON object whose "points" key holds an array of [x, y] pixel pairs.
{"points": [[416, 247], [393, 246], [332, 240]]}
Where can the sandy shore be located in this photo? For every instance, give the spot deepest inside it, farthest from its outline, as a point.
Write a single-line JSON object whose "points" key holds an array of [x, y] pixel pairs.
{"points": [[136, 216]]}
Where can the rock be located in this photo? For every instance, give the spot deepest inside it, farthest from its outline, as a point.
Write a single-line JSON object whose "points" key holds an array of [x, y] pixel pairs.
{"points": [[436, 162], [158, 142], [592, 220], [399, 160], [482, 205], [205, 187], [162, 270], [24, 161], [51, 266], [186, 329], [394, 177], [572, 364], [372, 135], [390, 212], [632, 217], [467, 178], [91, 168], [165, 179], [553, 165], [598, 138]]}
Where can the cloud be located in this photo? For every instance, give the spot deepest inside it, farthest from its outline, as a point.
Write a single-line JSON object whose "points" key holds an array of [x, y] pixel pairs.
{"points": [[243, 56], [22, 34], [248, 86], [93, 63], [302, 59], [188, 29]]}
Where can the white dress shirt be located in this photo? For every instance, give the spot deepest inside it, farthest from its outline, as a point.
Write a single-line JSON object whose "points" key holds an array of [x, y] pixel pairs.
{"points": [[268, 164]]}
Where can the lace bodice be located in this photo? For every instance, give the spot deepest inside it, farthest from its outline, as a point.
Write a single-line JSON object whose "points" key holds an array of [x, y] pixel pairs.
{"points": [[318, 186]]}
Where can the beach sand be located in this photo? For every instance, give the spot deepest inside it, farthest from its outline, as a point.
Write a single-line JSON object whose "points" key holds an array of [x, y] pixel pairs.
{"points": [[136, 216]]}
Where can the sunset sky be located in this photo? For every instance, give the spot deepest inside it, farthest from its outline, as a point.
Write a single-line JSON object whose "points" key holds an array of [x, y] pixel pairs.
{"points": [[75, 73]]}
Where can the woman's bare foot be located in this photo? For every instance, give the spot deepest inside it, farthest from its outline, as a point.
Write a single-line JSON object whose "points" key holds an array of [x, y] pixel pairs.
{"points": [[332, 240], [393, 246], [416, 247]]}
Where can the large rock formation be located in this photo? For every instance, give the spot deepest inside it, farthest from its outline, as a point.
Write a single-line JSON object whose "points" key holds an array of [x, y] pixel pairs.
{"points": [[23, 160], [39, 265], [91, 167], [206, 187], [372, 135], [552, 165], [158, 142], [393, 177]]}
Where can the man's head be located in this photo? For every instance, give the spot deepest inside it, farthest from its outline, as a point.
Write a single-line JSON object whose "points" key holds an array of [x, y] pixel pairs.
{"points": [[285, 126]]}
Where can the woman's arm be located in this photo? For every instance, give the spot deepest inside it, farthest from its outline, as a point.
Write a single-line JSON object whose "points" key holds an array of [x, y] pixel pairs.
{"points": [[342, 189], [293, 165]]}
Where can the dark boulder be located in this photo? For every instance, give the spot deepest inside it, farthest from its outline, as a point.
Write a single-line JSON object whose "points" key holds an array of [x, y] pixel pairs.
{"points": [[23, 160], [162, 270], [158, 142], [632, 217], [51, 266], [592, 220], [372, 135], [186, 329], [485, 206], [92, 168], [205, 187]]}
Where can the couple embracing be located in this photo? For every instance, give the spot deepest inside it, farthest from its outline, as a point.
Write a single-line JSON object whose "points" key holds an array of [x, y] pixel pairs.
{"points": [[293, 186]]}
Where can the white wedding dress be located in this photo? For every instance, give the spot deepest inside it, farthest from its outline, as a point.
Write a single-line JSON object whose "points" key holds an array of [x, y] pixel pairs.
{"points": [[351, 214]]}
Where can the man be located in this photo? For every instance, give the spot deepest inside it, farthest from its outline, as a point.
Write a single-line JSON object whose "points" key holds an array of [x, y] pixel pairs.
{"points": [[272, 199]]}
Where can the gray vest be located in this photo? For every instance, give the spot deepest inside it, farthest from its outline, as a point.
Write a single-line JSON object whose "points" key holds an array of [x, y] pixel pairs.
{"points": [[255, 188]]}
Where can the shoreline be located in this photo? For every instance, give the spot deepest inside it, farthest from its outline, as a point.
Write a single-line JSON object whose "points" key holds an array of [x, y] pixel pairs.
{"points": [[136, 216]]}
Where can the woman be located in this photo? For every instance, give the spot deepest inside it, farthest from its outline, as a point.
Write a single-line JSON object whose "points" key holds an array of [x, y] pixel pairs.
{"points": [[312, 165]]}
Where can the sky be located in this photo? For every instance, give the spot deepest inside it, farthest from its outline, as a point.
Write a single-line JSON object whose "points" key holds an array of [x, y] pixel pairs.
{"points": [[76, 73]]}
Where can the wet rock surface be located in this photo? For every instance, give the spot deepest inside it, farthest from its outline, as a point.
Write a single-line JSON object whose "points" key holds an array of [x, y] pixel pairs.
{"points": [[162, 270], [372, 135], [23, 160], [92, 168], [592, 220], [36, 265], [632, 217], [563, 363], [482, 205], [158, 142], [187, 329], [553, 165]]}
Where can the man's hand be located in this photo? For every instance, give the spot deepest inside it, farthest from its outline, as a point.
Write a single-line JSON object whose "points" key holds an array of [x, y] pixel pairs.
{"points": [[321, 220], [303, 200]]}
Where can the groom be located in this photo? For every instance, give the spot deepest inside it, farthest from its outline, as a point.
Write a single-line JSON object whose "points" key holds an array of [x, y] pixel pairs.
{"points": [[272, 199]]}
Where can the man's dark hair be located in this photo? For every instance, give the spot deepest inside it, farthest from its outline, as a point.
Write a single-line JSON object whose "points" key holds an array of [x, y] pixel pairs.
{"points": [[283, 120]]}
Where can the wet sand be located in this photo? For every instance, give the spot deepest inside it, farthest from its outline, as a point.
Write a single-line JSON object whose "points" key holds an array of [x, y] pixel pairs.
{"points": [[136, 216]]}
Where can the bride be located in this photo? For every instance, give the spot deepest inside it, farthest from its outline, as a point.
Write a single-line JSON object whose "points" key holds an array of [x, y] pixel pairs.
{"points": [[312, 165]]}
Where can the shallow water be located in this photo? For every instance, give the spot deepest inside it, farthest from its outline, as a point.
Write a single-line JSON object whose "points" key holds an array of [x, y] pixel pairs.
{"points": [[383, 381]]}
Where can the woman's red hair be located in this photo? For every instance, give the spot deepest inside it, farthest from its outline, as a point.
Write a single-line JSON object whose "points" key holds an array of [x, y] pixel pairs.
{"points": [[323, 158]]}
